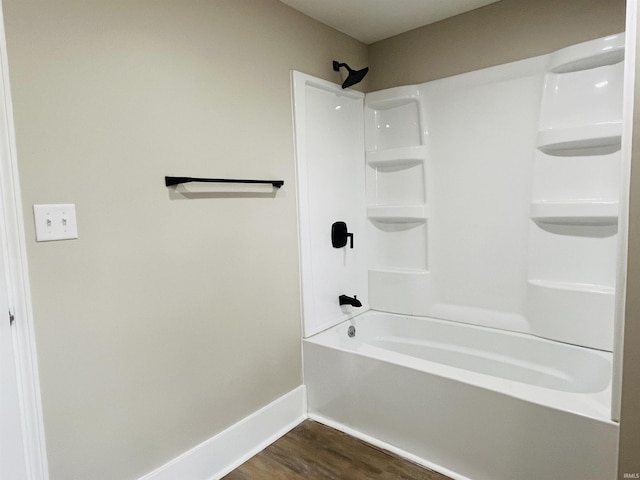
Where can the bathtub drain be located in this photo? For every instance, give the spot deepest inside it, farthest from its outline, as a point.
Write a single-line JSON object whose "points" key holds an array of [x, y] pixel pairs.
{"points": [[351, 331]]}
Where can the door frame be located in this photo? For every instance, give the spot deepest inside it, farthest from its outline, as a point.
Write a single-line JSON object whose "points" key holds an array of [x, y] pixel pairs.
{"points": [[12, 236]]}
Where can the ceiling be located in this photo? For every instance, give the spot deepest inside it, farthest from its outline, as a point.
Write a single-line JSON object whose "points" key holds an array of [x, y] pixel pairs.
{"points": [[373, 20]]}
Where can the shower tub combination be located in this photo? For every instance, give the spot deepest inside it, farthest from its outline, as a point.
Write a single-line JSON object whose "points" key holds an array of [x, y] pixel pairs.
{"points": [[483, 210], [467, 401]]}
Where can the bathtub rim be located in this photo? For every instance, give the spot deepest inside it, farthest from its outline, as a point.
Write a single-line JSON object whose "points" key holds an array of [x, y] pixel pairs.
{"points": [[596, 406]]}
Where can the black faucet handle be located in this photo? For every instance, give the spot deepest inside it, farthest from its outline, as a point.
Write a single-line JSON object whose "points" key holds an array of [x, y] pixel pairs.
{"points": [[339, 235]]}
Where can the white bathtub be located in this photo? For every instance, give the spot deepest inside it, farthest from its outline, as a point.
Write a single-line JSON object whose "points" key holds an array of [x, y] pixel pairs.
{"points": [[471, 402]]}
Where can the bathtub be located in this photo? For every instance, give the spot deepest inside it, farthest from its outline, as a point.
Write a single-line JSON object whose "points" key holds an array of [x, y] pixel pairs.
{"points": [[470, 402]]}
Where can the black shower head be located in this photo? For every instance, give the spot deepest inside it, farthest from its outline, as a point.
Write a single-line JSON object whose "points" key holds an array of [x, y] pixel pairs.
{"points": [[355, 76]]}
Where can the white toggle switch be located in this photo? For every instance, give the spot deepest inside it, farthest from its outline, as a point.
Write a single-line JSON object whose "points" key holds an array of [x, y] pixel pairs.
{"points": [[55, 222]]}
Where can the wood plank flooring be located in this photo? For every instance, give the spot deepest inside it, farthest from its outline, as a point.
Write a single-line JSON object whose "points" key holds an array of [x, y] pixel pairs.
{"points": [[313, 451]]}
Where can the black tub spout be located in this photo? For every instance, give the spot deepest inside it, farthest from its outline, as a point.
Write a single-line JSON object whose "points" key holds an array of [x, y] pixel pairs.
{"points": [[354, 302]]}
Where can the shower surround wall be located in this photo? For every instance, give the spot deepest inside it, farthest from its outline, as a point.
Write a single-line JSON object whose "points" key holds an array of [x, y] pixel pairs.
{"points": [[330, 189], [492, 196]]}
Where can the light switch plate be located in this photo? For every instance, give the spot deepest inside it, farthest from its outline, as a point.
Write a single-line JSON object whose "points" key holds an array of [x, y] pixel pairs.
{"points": [[55, 222]]}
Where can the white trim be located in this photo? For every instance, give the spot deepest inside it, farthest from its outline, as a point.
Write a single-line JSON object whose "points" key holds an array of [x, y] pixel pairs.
{"points": [[18, 281], [387, 446], [227, 450], [623, 212]]}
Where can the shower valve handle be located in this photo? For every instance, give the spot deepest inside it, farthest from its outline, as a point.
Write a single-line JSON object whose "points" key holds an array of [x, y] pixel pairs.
{"points": [[339, 235]]}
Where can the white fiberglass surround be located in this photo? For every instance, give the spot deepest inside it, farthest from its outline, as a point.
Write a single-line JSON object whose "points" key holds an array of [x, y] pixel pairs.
{"points": [[329, 139], [468, 401], [489, 198]]}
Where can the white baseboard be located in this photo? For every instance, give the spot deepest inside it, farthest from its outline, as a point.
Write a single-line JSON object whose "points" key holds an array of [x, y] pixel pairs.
{"points": [[222, 453]]}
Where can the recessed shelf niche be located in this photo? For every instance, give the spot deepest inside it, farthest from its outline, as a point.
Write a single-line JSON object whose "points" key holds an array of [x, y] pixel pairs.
{"points": [[399, 246], [392, 119], [581, 108], [397, 185], [572, 312]]}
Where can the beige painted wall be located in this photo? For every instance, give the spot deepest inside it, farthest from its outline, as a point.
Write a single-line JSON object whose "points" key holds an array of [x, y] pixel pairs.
{"points": [[629, 457], [168, 319], [502, 32]]}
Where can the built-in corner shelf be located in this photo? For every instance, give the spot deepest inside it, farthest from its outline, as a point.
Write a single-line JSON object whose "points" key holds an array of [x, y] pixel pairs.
{"points": [[401, 290], [398, 213], [401, 157], [576, 212], [595, 139], [593, 54], [581, 105]]}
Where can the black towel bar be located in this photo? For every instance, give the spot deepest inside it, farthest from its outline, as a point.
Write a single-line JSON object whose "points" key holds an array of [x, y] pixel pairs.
{"points": [[170, 181]]}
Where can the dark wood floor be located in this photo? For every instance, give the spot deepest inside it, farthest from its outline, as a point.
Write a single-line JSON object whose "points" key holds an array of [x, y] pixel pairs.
{"points": [[313, 451]]}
